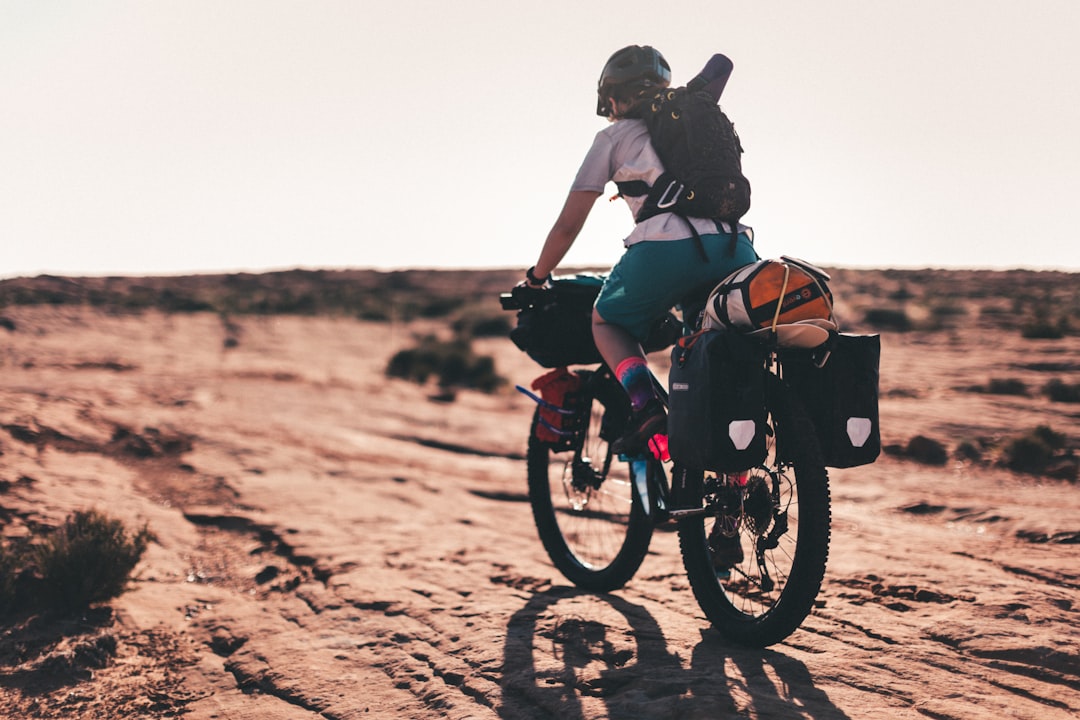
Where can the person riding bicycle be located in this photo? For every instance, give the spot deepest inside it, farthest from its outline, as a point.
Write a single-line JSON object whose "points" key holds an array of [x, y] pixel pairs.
{"points": [[662, 261]]}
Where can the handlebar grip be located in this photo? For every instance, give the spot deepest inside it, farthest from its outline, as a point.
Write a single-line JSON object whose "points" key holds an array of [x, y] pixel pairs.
{"points": [[521, 297]]}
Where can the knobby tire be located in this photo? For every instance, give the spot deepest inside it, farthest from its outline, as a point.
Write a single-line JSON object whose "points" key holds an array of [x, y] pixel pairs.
{"points": [[738, 606]]}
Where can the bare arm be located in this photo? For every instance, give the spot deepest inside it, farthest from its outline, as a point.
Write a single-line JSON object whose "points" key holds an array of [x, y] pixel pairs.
{"points": [[565, 230]]}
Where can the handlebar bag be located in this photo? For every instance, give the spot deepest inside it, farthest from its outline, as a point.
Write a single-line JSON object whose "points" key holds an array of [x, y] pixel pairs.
{"points": [[557, 330], [717, 415]]}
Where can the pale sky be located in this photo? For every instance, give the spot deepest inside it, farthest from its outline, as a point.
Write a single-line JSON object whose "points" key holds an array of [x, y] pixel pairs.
{"points": [[186, 136]]}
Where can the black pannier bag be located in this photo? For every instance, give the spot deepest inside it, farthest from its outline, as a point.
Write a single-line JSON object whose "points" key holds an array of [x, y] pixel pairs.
{"points": [[841, 397], [717, 417], [556, 331]]}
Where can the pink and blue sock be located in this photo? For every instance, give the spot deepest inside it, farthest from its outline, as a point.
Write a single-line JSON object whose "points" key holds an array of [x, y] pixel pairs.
{"points": [[633, 374]]}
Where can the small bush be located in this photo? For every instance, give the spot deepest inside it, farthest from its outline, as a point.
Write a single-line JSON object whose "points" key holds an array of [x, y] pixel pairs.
{"points": [[927, 451], [1027, 454], [1054, 440], [1044, 329], [968, 450], [1034, 450], [1059, 391], [453, 363], [86, 560], [1006, 386], [887, 319], [901, 294]]}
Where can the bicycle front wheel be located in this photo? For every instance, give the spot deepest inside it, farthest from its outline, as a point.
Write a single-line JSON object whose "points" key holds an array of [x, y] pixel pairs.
{"points": [[757, 559], [590, 520]]}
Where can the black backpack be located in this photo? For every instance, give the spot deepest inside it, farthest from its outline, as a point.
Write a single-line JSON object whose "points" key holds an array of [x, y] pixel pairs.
{"points": [[702, 158]]}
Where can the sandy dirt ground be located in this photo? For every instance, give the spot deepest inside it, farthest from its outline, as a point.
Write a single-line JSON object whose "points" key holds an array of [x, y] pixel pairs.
{"points": [[333, 544]]}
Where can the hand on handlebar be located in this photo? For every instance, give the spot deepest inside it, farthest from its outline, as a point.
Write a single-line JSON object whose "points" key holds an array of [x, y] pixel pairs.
{"points": [[526, 289], [524, 295], [535, 283]]}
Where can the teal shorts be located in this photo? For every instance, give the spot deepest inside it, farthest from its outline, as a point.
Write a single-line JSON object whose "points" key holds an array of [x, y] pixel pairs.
{"points": [[652, 277]]}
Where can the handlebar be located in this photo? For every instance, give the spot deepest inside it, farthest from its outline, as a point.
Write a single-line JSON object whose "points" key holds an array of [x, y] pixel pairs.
{"points": [[522, 297]]}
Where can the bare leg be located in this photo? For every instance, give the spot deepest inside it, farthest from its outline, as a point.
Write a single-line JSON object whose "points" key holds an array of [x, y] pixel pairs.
{"points": [[624, 355], [614, 343]]}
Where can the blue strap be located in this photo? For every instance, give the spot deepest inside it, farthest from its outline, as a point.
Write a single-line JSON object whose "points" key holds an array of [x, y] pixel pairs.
{"points": [[544, 403]]}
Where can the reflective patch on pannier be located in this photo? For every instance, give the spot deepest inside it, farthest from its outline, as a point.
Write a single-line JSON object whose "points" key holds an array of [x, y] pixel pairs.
{"points": [[858, 430], [742, 433]]}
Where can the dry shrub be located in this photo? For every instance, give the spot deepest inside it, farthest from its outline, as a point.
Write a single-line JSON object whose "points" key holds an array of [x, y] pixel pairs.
{"points": [[453, 362], [1033, 451], [969, 450], [888, 319], [927, 451], [86, 560], [1006, 386], [1060, 391], [1045, 329]]}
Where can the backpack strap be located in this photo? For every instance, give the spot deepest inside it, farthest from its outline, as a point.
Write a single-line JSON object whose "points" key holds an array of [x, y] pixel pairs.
{"points": [[632, 188], [697, 237], [661, 197], [734, 236]]}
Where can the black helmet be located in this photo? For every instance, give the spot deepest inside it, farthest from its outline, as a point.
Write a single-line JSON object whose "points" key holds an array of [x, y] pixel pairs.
{"points": [[633, 69]]}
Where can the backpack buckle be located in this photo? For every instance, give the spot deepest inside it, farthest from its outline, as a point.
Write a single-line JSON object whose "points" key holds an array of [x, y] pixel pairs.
{"points": [[668, 198]]}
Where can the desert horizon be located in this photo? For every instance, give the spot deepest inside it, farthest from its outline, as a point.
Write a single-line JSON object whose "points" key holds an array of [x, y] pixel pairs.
{"points": [[335, 540]]}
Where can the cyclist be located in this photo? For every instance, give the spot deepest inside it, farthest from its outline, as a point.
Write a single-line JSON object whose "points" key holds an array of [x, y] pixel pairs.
{"points": [[661, 263]]}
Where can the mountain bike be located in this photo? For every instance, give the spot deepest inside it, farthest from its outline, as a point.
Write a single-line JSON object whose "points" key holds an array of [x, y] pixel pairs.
{"points": [[754, 543]]}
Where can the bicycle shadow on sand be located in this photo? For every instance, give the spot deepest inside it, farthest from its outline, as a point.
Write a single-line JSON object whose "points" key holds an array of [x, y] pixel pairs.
{"points": [[575, 654]]}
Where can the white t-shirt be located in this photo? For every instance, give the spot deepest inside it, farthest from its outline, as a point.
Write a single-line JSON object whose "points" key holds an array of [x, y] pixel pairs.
{"points": [[622, 152]]}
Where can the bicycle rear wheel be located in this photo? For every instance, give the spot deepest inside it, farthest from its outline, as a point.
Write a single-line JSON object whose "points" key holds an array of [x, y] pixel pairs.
{"points": [[757, 559], [590, 520]]}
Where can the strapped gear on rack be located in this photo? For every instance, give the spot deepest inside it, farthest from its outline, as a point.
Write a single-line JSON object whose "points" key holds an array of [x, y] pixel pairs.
{"points": [[786, 299]]}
